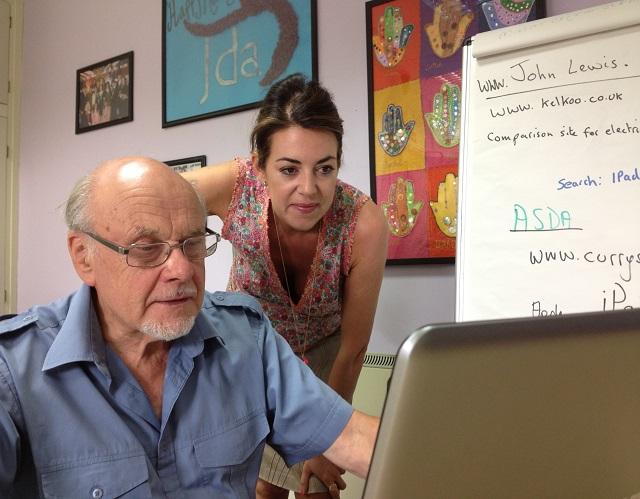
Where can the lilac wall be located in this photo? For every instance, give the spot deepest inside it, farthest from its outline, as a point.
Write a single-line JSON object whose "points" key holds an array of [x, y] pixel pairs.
{"points": [[555, 7], [60, 37]]}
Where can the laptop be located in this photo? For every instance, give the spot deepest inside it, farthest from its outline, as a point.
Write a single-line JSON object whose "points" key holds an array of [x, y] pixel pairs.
{"points": [[518, 408]]}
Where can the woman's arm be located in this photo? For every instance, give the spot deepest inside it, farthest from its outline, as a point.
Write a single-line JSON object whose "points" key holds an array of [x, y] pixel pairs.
{"points": [[360, 299], [216, 184]]}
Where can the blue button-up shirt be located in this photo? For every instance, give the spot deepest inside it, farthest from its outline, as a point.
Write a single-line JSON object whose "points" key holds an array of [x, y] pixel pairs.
{"points": [[75, 423]]}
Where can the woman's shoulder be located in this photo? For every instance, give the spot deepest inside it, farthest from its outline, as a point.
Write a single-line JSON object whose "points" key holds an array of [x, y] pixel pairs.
{"points": [[249, 194], [372, 223], [370, 235], [247, 176], [358, 223], [348, 195], [367, 218]]}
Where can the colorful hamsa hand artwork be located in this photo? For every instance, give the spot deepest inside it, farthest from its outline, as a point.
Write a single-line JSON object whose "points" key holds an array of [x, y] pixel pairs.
{"points": [[451, 18], [395, 132], [502, 13], [401, 208], [444, 120], [445, 209], [392, 38]]}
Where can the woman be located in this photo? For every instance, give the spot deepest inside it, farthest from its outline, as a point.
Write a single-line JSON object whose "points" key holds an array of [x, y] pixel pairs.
{"points": [[309, 247]]}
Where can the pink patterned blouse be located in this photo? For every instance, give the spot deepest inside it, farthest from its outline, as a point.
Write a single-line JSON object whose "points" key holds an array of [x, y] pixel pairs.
{"points": [[253, 271]]}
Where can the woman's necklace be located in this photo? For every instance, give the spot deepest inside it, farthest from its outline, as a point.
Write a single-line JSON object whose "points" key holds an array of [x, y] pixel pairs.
{"points": [[290, 296]]}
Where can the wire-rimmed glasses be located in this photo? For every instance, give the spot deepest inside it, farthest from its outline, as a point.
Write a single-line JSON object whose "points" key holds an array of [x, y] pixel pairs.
{"points": [[155, 254]]}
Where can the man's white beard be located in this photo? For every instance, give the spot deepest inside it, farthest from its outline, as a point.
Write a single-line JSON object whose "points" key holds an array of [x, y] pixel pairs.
{"points": [[168, 332]]}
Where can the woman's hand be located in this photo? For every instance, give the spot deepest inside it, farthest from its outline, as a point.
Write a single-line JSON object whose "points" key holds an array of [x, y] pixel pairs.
{"points": [[327, 472]]}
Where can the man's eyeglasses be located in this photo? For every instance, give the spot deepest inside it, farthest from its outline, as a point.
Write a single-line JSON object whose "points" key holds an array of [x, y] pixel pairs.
{"points": [[154, 254]]}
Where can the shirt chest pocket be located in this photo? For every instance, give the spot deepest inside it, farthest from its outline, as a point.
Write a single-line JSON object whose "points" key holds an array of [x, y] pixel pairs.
{"points": [[233, 456], [125, 478]]}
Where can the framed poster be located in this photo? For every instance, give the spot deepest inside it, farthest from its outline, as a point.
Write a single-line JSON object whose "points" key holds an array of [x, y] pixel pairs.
{"points": [[220, 57], [414, 61], [104, 93], [187, 164]]}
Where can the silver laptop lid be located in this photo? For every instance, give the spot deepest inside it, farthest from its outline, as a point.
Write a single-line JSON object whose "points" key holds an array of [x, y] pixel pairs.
{"points": [[526, 408]]}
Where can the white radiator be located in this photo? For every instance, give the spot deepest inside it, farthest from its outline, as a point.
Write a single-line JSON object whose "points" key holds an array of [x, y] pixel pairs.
{"points": [[369, 397]]}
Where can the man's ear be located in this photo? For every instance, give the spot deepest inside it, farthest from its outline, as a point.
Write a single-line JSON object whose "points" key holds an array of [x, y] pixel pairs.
{"points": [[81, 256]]}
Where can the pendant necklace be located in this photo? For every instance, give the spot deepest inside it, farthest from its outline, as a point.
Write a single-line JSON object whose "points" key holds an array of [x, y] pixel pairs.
{"points": [[286, 282]]}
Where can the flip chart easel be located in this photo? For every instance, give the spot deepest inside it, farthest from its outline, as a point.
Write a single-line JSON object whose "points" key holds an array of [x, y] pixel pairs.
{"points": [[549, 202]]}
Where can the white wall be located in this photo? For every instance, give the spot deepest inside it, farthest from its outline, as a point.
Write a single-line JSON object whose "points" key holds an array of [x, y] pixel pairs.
{"points": [[64, 35]]}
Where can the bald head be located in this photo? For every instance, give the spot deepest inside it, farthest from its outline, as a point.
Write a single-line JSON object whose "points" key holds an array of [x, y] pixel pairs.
{"points": [[103, 185], [139, 203]]}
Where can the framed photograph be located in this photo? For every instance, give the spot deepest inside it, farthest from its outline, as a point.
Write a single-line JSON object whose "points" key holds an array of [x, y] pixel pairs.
{"points": [[222, 57], [104, 93], [187, 164], [414, 61]]}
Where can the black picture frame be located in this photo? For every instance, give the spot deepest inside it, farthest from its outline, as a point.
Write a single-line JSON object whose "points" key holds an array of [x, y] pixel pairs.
{"points": [[104, 93], [187, 164], [197, 43], [405, 71]]}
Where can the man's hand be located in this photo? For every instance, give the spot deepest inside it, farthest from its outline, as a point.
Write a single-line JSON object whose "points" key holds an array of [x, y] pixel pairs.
{"points": [[392, 38], [445, 210], [327, 472], [444, 121], [395, 133]]}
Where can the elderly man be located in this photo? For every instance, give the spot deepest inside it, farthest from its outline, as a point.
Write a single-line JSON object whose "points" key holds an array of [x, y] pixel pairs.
{"points": [[140, 384]]}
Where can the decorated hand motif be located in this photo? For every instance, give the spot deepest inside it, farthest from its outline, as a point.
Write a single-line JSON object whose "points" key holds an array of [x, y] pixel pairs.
{"points": [[392, 38], [445, 210], [444, 121], [502, 13], [451, 18], [395, 133], [401, 209]]}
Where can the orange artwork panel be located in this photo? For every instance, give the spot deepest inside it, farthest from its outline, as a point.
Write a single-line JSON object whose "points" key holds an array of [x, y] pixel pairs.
{"points": [[396, 42], [398, 111]]}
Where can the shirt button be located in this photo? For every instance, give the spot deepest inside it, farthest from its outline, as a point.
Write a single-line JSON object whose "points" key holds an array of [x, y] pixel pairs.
{"points": [[97, 493], [220, 298]]}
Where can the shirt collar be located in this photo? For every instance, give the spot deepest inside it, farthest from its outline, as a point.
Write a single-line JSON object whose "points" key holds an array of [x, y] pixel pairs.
{"points": [[79, 339], [203, 329], [74, 343]]}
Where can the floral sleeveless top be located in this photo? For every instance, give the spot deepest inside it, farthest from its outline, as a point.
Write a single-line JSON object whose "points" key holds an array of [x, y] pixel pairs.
{"points": [[319, 310]]}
